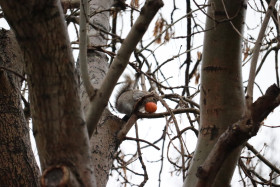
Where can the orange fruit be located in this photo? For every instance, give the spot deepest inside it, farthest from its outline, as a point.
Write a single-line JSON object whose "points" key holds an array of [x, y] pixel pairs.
{"points": [[150, 107]]}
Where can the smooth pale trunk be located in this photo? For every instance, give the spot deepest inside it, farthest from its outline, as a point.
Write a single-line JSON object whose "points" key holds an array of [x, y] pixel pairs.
{"points": [[222, 97]]}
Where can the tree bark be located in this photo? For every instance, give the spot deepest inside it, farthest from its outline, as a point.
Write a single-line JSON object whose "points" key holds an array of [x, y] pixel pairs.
{"points": [[59, 127], [236, 135], [103, 143], [101, 98], [222, 97], [17, 159]]}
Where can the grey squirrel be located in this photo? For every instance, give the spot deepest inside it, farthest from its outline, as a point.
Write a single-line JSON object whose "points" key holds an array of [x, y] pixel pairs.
{"points": [[127, 97]]}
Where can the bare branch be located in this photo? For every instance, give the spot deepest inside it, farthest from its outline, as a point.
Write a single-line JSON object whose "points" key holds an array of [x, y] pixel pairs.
{"points": [[236, 135], [53, 86], [264, 160], [168, 27], [83, 49], [256, 51], [146, 177], [12, 71], [164, 114], [122, 133], [120, 62], [141, 140]]}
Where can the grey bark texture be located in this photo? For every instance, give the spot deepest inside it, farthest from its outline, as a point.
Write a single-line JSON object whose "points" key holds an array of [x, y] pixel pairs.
{"points": [[103, 142], [222, 97], [53, 87], [17, 158], [101, 98], [57, 111]]}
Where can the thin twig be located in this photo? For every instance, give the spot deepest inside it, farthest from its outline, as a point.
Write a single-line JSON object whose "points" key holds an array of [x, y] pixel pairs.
{"points": [[168, 27], [14, 72], [164, 114], [182, 152], [234, 28], [141, 159], [264, 58], [141, 140], [176, 56], [263, 159], [276, 67]]}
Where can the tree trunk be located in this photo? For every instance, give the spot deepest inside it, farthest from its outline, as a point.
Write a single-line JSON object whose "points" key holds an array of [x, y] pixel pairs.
{"points": [[103, 141], [17, 160], [59, 127], [222, 95]]}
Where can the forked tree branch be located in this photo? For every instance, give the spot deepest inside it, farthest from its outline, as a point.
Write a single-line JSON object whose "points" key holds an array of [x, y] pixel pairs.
{"points": [[236, 135], [120, 62], [56, 109], [262, 158]]}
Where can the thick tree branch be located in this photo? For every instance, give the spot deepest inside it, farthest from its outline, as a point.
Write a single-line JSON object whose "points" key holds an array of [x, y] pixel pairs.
{"points": [[221, 96], [256, 51], [83, 48], [122, 133], [16, 157], [56, 111], [68, 4], [236, 135], [121, 60]]}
